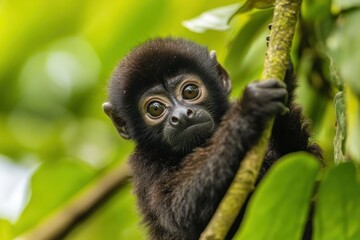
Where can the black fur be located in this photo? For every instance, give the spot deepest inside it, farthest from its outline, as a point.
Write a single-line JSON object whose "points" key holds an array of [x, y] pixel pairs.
{"points": [[178, 192]]}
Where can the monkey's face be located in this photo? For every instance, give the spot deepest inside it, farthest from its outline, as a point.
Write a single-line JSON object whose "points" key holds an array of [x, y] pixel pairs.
{"points": [[178, 110], [168, 95]]}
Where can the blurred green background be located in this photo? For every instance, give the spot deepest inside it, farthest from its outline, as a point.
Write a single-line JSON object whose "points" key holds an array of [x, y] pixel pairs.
{"points": [[55, 61]]}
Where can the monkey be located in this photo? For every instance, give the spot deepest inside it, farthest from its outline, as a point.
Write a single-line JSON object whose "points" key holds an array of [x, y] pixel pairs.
{"points": [[171, 97]]}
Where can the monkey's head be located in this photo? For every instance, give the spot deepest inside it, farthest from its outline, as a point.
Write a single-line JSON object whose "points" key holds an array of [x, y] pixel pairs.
{"points": [[168, 94]]}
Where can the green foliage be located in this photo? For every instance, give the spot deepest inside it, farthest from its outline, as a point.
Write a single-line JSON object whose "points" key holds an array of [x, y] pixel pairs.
{"points": [[345, 4], [344, 50], [117, 219], [55, 60], [345, 54], [215, 19], [251, 4], [245, 52], [270, 212], [328, 57], [340, 136], [60, 180], [6, 230], [338, 210]]}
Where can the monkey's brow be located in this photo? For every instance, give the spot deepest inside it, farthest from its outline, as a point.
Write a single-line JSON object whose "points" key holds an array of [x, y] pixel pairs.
{"points": [[174, 81], [157, 89]]}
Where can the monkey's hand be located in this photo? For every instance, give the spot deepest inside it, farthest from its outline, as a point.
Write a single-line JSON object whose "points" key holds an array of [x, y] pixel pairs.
{"points": [[264, 99], [290, 78]]}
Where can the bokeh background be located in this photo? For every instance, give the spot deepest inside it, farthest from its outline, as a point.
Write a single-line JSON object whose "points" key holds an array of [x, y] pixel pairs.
{"points": [[55, 61]]}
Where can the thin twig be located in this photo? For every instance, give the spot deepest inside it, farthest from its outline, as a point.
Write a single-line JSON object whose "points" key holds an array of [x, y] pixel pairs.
{"points": [[85, 202]]}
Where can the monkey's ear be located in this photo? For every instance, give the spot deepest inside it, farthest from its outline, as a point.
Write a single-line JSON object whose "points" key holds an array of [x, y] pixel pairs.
{"points": [[117, 120], [224, 76]]}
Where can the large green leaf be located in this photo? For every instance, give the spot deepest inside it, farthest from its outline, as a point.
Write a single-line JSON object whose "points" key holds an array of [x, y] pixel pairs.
{"points": [[279, 207], [344, 49], [337, 211], [51, 186]]}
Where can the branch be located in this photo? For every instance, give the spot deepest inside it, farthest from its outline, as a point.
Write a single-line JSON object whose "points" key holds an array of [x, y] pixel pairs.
{"points": [[276, 61], [79, 207]]}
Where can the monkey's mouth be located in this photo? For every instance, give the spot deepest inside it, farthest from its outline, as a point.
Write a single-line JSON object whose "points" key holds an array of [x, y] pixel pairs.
{"points": [[192, 136], [198, 128]]}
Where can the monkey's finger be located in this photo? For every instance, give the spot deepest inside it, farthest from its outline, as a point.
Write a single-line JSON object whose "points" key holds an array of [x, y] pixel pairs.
{"points": [[277, 108], [271, 83], [270, 26], [273, 95], [285, 111]]}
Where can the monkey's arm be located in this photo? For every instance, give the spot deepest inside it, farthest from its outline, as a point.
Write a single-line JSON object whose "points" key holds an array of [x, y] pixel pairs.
{"points": [[291, 132], [190, 195]]}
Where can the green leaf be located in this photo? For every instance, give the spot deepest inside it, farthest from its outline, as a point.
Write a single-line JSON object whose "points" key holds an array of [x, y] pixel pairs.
{"points": [[352, 125], [279, 207], [215, 19], [343, 43], [337, 212], [6, 230], [52, 185], [247, 49], [312, 10], [260, 4], [339, 5], [116, 219], [340, 136]]}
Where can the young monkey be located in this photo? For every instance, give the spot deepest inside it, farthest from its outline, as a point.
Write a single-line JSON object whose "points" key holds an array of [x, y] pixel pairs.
{"points": [[170, 96]]}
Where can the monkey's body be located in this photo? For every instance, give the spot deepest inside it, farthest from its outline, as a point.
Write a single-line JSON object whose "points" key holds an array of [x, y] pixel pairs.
{"points": [[179, 183]]}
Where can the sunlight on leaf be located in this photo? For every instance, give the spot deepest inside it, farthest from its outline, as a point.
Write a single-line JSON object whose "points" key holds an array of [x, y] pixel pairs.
{"points": [[6, 230], [337, 211], [14, 188], [260, 4], [279, 206], [352, 124], [215, 19]]}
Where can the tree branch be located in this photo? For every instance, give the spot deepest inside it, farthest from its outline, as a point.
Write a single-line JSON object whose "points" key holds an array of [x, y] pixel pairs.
{"points": [[79, 207], [276, 61]]}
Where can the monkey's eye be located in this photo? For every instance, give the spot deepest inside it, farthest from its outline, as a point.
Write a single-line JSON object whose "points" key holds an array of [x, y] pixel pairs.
{"points": [[190, 91], [155, 109]]}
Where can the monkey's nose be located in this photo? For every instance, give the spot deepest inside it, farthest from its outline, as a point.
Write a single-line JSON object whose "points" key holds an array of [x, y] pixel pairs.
{"points": [[174, 120], [190, 113], [181, 116]]}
